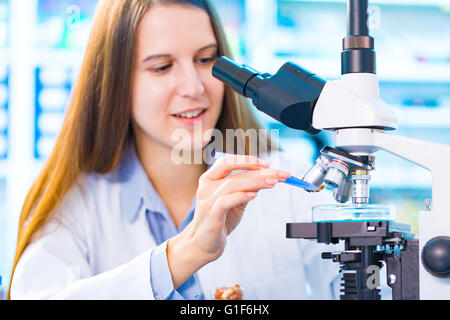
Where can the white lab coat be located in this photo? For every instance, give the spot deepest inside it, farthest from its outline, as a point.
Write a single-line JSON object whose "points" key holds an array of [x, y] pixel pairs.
{"points": [[90, 250]]}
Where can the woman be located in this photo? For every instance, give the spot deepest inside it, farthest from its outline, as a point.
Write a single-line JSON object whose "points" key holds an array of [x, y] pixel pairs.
{"points": [[112, 215]]}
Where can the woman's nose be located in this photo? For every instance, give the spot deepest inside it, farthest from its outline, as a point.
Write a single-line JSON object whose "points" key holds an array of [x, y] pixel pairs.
{"points": [[189, 82]]}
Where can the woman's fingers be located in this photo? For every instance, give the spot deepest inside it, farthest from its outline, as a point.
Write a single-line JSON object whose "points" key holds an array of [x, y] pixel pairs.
{"points": [[251, 181], [265, 172], [229, 201], [224, 166], [218, 191]]}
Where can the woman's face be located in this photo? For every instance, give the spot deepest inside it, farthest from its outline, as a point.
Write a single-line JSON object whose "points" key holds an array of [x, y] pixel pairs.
{"points": [[174, 92]]}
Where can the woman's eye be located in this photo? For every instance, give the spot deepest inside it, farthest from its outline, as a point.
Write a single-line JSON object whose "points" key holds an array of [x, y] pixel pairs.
{"points": [[161, 68], [207, 60]]}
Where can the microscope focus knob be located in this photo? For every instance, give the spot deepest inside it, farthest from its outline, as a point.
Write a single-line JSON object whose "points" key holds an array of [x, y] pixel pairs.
{"points": [[436, 256]]}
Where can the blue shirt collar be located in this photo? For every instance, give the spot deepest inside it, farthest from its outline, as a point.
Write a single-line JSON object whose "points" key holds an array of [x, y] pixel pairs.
{"points": [[136, 190]]}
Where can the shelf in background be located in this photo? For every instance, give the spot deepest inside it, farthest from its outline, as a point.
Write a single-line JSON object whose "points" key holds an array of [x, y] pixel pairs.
{"points": [[396, 71], [58, 57], [405, 176], [423, 117]]}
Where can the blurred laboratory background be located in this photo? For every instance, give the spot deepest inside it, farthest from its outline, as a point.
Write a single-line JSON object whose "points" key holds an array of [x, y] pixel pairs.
{"points": [[42, 44]]}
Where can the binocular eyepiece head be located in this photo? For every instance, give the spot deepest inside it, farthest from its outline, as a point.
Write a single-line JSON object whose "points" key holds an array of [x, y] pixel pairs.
{"points": [[289, 96]]}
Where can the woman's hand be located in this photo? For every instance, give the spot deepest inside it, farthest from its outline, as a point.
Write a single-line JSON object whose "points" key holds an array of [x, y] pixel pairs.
{"points": [[220, 205], [222, 198]]}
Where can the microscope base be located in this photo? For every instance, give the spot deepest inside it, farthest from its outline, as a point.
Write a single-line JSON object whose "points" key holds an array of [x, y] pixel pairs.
{"points": [[367, 244]]}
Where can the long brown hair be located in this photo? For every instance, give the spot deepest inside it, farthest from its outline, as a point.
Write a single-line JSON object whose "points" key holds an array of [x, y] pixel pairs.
{"points": [[97, 123]]}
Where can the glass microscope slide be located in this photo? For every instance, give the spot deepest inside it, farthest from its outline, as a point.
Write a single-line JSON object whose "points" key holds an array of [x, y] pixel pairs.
{"points": [[293, 181]]}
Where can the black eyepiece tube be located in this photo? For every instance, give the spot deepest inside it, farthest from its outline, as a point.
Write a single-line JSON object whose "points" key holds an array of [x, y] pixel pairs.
{"points": [[358, 55], [233, 74], [357, 18], [289, 96]]}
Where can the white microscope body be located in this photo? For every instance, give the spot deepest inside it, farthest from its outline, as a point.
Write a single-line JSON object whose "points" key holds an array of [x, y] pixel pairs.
{"points": [[362, 123], [357, 121]]}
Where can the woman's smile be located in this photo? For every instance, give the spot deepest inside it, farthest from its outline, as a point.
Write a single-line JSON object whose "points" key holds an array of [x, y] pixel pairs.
{"points": [[190, 118]]}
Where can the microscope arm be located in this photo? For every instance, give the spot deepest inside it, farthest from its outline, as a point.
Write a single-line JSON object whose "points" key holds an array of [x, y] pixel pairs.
{"points": [[434, 224], [431, 156]]}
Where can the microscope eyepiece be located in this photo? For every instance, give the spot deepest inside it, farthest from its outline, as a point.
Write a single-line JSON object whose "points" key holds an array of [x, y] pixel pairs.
{"points": [[289, 96], [234, 75], [358, 55]]}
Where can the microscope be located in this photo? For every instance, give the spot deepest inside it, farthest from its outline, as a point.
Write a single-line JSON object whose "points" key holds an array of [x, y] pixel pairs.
{"points": [[362, 123]]}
